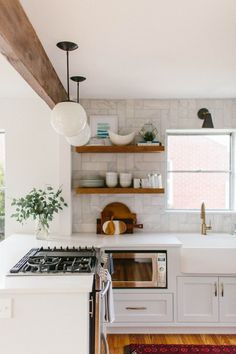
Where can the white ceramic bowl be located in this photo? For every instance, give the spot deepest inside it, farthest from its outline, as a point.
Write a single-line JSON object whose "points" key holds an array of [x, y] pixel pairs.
{"points": [[125, 184], [125, 179], [111, 183], [111, 179], [126, 176], [121, 139]]}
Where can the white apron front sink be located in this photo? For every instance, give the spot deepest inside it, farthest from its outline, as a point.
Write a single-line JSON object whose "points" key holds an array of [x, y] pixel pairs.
{"points": [[210, 254]]}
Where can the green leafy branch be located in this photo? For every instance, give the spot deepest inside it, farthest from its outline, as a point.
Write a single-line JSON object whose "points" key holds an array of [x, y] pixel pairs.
{"points": [[39, 204]]}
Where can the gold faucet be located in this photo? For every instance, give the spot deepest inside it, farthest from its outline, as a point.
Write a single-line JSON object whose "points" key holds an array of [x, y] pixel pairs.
{"points": [[204, 226]]}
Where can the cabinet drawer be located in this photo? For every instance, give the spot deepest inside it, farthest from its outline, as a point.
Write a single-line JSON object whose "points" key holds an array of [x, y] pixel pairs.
{"points": [[143, 307]]}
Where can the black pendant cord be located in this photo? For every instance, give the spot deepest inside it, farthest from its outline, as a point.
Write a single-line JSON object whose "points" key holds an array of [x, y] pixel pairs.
{"points": [[78, 79], [68, 47], [67, 75], [77, 92]]}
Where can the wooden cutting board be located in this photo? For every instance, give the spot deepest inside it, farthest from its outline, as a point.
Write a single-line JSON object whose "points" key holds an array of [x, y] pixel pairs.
{"points": [[117, 211], [114, 227], [128, 222]]}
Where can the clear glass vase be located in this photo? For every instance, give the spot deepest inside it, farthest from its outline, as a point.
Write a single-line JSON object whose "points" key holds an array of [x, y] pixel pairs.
{"points": [[41, 230]]}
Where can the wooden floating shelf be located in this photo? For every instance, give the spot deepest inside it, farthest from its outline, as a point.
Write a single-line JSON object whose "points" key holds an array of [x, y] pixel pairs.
{"points": [[118, 190], [119, 149]]}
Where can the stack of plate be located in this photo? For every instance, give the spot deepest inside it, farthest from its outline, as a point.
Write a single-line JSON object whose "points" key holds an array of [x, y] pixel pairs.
{"points": [[91, 183]]}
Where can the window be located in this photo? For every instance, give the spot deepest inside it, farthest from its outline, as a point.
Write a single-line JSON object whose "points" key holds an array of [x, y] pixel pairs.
{"points": [[199, 169], [2, 184]]}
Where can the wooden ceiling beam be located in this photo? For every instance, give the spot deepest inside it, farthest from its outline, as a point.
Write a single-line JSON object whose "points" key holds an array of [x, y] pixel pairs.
{"points": [[21, 46]]}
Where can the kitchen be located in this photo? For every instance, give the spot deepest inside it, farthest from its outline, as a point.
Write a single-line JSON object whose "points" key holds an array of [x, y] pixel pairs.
{"points": [[27, 125]]}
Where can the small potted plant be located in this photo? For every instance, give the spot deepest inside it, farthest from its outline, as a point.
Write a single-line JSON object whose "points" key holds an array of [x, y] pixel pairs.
{"points": [[40, 205]]}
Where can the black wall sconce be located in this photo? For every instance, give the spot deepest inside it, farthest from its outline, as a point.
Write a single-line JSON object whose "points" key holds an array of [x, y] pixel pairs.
{"points": [[204, 114]]}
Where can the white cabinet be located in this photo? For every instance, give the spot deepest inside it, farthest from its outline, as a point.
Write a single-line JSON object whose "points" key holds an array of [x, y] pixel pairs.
{"points": [[197, 299], [143, 307], [207, 299], [227, 298]]}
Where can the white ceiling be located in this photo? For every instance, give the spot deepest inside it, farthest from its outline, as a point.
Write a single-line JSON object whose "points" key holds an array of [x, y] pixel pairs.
{"points": [[142, 48]]}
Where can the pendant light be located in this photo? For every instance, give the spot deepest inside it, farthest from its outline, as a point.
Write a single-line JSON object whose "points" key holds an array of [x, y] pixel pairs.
{"points": [[82, 138], [68, 118]]}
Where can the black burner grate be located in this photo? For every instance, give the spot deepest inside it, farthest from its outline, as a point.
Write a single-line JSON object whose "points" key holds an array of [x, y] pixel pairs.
{"points": [[57, 260]]}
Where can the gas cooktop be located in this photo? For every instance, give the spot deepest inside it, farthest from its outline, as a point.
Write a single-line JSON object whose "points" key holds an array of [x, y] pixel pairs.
{"points": [[56, 261]]}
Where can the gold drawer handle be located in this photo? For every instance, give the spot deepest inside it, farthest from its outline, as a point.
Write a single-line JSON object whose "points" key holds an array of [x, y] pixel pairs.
{"points": [[136, 308]]}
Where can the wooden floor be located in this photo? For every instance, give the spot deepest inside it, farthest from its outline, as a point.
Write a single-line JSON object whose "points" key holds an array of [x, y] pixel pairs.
{"points": [[118, 341]]}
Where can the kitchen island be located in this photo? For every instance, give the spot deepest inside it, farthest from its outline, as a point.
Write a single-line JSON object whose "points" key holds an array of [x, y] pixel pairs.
{"points": [[48, 314], [41, 314]]}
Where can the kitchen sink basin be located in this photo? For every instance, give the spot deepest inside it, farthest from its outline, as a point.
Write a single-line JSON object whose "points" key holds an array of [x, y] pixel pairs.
{"points": [[210, 254]]}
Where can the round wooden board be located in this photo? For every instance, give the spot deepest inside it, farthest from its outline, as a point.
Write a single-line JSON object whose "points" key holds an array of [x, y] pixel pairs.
{"points": [[119, 211]]}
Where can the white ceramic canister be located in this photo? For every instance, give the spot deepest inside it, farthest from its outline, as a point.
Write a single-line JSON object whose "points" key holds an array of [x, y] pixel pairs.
{"points": [[155, 180], [137, 183], [145, 183]]}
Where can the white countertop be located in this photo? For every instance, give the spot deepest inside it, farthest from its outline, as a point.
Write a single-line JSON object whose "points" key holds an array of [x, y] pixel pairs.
{"points": [[213, 247], [138, 240], [13, 249], [211, 240], [16, 246]]}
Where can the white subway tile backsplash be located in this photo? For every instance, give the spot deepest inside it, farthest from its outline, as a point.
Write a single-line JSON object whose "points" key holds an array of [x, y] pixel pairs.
{"points": [[158, 200], [76, 161], [150, 209], [154, 158], [102, 104], [156, 104], [94, 166], [102, 157]]}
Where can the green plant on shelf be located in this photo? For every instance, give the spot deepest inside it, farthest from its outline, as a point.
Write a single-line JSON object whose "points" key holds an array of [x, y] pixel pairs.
{"points": [[149, 136]]}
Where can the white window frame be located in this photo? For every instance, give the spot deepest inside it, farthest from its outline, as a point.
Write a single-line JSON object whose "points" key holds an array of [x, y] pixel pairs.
{"points": [[232, 189]]}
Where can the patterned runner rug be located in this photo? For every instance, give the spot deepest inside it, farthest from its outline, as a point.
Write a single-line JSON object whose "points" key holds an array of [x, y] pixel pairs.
{"points": [[179, 348]]}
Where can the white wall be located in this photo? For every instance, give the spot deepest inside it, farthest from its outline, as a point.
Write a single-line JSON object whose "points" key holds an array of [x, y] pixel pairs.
{"points": [[32, 157], [150, 209]]}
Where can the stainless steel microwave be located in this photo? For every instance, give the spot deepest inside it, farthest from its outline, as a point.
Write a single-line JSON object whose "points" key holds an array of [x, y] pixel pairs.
{"points": [[138, 269]]}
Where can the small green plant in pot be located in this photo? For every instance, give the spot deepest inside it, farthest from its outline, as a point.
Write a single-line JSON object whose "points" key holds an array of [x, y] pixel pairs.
{"points": [[40, 205]]}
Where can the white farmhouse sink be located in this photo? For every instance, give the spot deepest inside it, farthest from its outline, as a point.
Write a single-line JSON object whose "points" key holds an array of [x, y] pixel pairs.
{"points": [[210, 254]]}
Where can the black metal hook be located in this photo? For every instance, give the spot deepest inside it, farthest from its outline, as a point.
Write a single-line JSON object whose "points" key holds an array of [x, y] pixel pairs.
{"points": [[204, 114]]}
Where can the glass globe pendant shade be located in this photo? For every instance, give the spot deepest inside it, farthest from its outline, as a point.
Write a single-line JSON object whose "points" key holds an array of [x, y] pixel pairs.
{"points": [[68, 118], [81, 139]]}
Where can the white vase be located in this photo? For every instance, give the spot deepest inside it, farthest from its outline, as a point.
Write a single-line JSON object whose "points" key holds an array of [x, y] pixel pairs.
{"points": [[41, 230]]}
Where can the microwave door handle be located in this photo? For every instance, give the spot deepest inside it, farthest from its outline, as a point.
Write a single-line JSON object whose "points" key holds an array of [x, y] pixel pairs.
{"points": [[154, 270]]}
